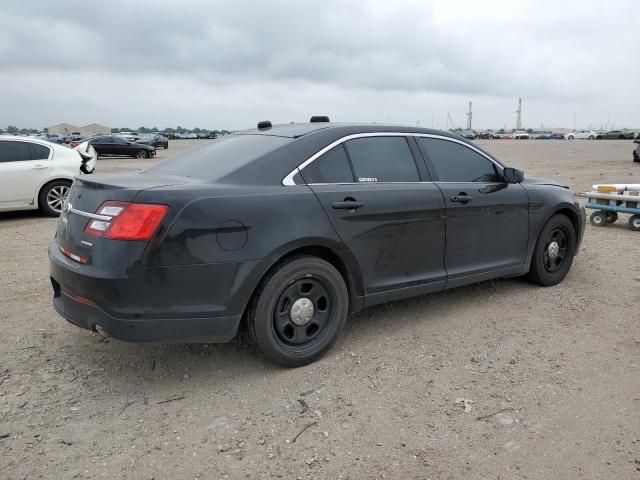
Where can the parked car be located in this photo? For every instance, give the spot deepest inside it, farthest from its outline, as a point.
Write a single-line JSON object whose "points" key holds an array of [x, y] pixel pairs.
{"points": [[582, 135], [636, 150], [130, 136], [468, 134], [541, 135], [155, 140], [557, 136], [617, 134], [55, 139], [520, 135], [107, 145], [294, 227], [37, 174]]}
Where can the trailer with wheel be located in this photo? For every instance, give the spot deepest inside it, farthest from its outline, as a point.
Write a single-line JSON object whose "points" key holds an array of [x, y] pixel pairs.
{"points": [[611, 199]]}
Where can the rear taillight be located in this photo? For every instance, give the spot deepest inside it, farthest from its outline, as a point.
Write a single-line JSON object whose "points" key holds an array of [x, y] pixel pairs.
{"points": [[127, 221]]}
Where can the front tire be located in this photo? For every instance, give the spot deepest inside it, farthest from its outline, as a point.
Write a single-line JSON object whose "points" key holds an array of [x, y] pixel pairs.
{"points": [[554, 252], [634, 223], [142, 154], [52, 197], [298, 311], [570, 137], [598, 219]]}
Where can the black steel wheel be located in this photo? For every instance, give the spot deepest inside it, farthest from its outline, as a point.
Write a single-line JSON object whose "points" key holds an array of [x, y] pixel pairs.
{"points": [[598, 219], [299, 311], [554, 252], [142, 154], [634, 222], [611, 217]]}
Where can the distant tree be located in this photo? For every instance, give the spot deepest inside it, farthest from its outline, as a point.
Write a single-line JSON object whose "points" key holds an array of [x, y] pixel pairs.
{"points": [[529, 130], [45, 130], [1, 131], [501, 131], [154, 129], [12, 129], [115, 130], [144, 130], [170, 130], [125, 129], [179, 129], [24, 131], [197, 130]]}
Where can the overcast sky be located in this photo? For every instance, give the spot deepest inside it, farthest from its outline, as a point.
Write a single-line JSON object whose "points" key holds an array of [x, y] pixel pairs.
{"points": [[229, 64]]}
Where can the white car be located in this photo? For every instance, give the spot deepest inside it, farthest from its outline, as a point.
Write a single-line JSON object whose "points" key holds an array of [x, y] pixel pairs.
{"points": [[582, 135], [36, 174]]}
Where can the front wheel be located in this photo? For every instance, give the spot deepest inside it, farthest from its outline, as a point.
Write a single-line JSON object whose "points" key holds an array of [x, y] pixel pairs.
{"points": [[634, 223], [299, 311], [570, 137], [52, 197], [598, 219], [611, 217], [554, 252], [142, 154]]}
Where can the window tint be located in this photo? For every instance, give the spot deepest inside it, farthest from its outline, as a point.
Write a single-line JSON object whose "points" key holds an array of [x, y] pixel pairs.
{"points": [[221, 157], [14, 151], [102, 140], [382, 159], [120, 140], [38, 152], [332, 167], [454, 162]]}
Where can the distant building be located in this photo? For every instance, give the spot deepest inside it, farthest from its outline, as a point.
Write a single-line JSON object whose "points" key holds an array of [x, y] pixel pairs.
{"points": [[68, 128]]}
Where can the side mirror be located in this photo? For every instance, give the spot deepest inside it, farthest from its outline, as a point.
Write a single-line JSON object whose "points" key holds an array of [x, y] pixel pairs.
{"points": [[513, 175]]}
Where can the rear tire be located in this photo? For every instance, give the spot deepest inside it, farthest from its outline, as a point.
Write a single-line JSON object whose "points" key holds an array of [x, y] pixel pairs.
{"points": [[611, 217], [570, 137], [298, 311], [142, 154], [52, 197], [554, 252], [634, 223]]}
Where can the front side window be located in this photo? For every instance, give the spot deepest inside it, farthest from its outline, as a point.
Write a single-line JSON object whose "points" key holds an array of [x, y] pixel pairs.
{"points": [[331, 167], [14, 151], [382, 159], [454, 162]]}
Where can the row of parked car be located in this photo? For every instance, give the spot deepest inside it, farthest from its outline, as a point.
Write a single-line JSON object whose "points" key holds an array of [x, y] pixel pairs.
{"points": [[550, 135]]}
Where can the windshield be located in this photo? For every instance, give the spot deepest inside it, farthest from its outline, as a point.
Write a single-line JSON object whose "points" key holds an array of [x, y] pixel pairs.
{"points": [[221, 157]]}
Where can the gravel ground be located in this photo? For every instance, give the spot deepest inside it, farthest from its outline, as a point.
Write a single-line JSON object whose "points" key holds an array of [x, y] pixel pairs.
{"points": [[501, 380]]}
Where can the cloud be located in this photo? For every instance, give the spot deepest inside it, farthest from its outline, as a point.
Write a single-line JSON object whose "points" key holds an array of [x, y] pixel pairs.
{"points": [[578, 55]]}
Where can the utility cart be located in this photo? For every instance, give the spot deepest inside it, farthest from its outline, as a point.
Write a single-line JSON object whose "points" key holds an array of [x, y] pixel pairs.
{"points": [[610, 199]]}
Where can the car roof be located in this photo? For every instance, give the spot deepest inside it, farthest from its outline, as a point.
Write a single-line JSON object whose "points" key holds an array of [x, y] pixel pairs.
{"points": [[22, 138], [296, 130]]}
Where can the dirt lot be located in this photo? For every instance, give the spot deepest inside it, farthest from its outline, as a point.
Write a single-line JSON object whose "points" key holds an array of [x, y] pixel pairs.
{"points": [[550, 376]]}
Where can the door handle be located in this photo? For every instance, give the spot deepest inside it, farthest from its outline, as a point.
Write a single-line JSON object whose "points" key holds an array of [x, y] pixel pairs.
{"points": [[38, 167], [462, 198], [347, 204]]}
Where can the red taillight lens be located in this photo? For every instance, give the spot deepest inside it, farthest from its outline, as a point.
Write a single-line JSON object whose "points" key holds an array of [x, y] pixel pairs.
{"points": [[129, 221]]}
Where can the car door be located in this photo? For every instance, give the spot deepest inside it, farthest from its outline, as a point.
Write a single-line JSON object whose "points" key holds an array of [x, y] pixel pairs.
{"points": [[371, 189], [23, 168], [121, 146], [102, 145], [487, 220]]}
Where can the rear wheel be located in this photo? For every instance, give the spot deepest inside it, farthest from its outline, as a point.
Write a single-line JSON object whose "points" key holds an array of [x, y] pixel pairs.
{"points": [[570, 137], [299, 311], [142, 154], [634, 222], [52, 197], [598, 219], [554, 252]]}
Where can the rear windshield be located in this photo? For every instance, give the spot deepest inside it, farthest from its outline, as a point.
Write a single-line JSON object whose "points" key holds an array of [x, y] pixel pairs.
{"points": [[221, 157]]}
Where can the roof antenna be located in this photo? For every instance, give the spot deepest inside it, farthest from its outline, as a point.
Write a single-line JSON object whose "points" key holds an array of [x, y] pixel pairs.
{"points": [[319, 119], [264, 125]]}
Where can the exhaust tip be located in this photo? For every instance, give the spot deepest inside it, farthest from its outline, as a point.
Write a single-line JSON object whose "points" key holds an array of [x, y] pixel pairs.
{"points": [[102, 332]]}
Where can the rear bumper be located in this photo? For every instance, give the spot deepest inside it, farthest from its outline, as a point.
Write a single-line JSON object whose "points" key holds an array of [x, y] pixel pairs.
{"points": [[202, 303], [91, 317]]}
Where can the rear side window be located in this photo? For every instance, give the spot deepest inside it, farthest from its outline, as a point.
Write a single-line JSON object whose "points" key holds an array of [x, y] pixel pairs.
{"points": [[382, 159], [332, 167], [38, 152], [102, 140], [14, 151], [455, 162], [221, 157]]}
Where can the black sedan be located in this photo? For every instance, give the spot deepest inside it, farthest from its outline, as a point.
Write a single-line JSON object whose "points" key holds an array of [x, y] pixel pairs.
{"points": [[283, 231], [116, 145], [155, 141]]}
